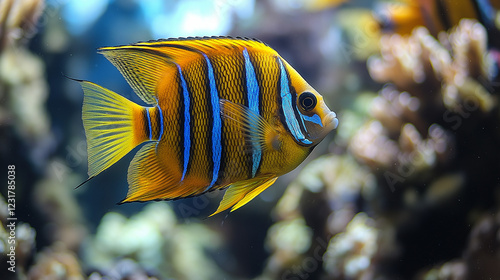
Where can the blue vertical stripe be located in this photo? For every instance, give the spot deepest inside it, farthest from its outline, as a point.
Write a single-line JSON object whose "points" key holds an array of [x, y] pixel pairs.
{"points": [[217, 123], [286, 104], [253, 104], [187, 122], [161, 122], [149, 123]]}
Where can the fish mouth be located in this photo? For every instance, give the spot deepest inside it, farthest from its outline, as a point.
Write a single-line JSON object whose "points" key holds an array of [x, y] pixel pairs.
{"points": [[331, 122]]}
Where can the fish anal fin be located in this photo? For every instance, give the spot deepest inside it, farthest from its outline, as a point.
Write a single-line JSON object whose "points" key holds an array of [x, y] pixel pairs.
{"points": [[260, 131], [149, 179], [240, 193]]}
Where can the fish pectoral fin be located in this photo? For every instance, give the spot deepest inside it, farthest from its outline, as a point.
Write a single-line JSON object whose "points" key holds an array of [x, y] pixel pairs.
{"points": [[240, 193], [260, 131], [149, 179]]}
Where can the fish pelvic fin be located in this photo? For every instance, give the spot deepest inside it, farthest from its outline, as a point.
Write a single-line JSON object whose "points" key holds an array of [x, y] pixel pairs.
{"points": [[113, 125], [240, 193]]}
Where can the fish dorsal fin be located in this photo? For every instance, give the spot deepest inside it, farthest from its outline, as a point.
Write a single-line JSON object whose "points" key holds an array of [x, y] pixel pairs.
{"points": [[141, 69], [144, 64], [179, 49], [240, 193]]}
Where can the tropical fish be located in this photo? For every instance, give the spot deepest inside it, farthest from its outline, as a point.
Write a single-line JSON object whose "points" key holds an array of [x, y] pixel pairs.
{"points": [[436, 15], [222, 113]]}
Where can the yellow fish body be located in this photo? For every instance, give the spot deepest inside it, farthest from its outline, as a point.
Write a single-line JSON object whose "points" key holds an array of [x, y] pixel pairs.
{"points": [[222, 113]]}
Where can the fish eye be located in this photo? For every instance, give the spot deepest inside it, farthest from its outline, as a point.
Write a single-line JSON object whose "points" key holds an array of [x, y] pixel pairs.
{"points": [[307, 101]]}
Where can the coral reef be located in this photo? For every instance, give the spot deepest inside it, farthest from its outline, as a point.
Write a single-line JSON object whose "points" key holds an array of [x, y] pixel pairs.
{"points": [[423, 138], [400, 203], [482, 255], [26, 143], [408, 189], [18, 20], [325, 198], [480, 258], [349, 254], [22, 238], [24, 89], [439, 92], [150, 245], [56, 262], [123, 269], [156, 241], [57, 203]]}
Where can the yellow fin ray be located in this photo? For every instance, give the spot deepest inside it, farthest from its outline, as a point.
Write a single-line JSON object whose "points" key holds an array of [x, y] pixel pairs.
{"points": [[180, 49], [142, 70], [145, 64], [109, 124], [253, 193], [148, 178], [237, 193]]}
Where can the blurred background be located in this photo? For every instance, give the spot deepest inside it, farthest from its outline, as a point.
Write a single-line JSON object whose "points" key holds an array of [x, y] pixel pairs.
{"points": [[408, 187]]}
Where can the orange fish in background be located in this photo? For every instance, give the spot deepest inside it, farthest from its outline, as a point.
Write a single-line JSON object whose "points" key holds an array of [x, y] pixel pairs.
{"points": [[223, 113], [437, 15]]}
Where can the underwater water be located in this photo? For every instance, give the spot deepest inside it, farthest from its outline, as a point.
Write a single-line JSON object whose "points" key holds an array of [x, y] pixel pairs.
{"points": [[407, 187]]}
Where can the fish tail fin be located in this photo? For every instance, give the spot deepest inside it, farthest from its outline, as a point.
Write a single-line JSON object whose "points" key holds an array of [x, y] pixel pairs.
{"points": [[113, 125]]}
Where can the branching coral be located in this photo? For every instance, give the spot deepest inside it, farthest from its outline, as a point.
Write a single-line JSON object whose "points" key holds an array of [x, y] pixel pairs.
{"points": [[18, 19], [429, 124], [23, 88], [420, 167], [153, 240], [324, 197], [349, 254], [56, 263], [433, 89]]}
